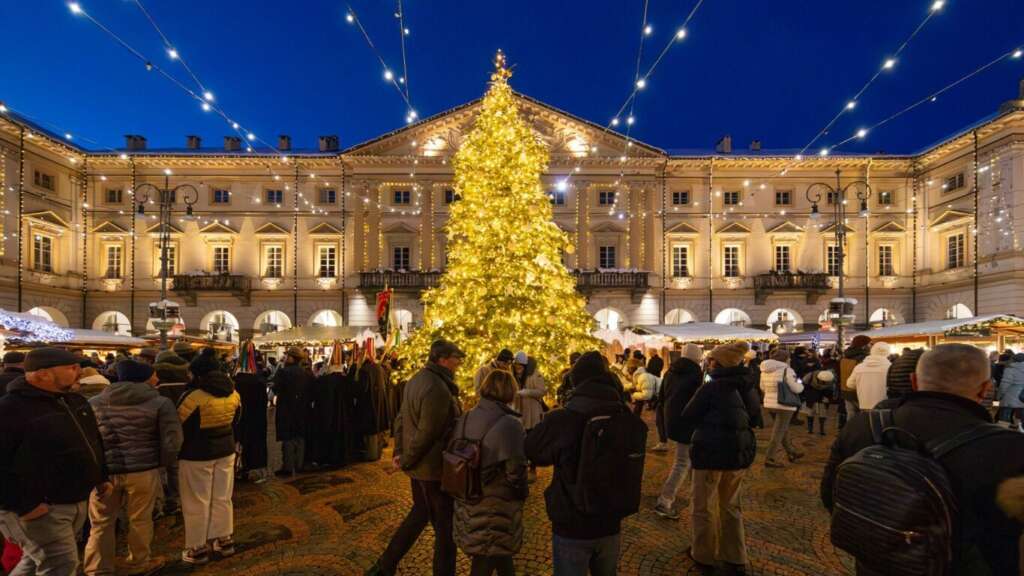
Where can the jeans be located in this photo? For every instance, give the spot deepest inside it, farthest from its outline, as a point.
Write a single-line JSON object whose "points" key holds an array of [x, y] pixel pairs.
{"points": [[293, 454], [487, 565], [47, 543], [718, 533], [575, 557], [676, 476], [206, 492], [136, 492], [852, 409], [431, 505], [780, 435]]}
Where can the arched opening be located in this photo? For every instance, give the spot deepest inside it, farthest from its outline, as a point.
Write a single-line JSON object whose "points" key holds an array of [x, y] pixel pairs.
{"points": [[113, 322], [784, 321], [175, 330], [608, 319], [404, 319], [220, 325], [884, 317], [325, 317], [958, 311], [271, 321], [733, 317], [52, 314], [679, 316]]}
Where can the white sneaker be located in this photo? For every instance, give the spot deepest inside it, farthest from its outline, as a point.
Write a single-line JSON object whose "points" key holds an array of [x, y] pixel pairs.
{"points": [[660, 447]]}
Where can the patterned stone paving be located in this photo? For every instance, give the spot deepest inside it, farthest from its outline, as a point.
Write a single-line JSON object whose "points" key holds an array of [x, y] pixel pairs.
{"points": [[336, 523]]}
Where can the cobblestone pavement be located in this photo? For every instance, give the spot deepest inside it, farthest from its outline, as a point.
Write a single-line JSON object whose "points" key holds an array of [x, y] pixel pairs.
{"points": [[338, 522]]}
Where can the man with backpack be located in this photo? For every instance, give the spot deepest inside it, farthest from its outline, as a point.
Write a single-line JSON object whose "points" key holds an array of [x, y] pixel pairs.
{"points": [[912, 489], [596, 445]]}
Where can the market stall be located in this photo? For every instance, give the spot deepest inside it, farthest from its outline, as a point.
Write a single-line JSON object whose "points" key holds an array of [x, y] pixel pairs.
{"points": [[318, 341], [20, 329], [815, 339], [991, 331], [100, 342], [707, 334]]}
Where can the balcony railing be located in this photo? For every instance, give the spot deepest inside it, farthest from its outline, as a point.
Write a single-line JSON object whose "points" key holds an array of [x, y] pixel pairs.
{"points": [[190, 285], [814, 285], [597, 279], [412, 280]]}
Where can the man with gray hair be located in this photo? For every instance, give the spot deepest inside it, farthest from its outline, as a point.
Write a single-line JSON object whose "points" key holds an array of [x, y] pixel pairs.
{"points": [[948, 386]]}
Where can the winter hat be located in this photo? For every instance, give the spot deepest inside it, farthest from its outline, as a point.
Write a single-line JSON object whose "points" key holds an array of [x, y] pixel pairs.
{"points": [[860, 341], [522, 358], [48, 357], [825, 376], [169, 357], [184, 350], [204, 363], [133, 371], [296, 353], [590, 365], [504, 356], [14, 357], [693, 352], [730, 355], [880, 349]]}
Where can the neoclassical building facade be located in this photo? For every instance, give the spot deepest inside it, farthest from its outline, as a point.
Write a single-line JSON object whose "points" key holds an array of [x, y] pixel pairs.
{"points": [[259, 240]]}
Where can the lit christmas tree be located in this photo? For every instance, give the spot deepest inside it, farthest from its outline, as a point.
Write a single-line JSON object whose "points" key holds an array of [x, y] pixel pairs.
{"points": [[505, 285]]}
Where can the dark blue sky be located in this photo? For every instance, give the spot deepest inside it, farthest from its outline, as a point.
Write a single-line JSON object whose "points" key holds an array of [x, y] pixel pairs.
{"points": [[775, 70]]}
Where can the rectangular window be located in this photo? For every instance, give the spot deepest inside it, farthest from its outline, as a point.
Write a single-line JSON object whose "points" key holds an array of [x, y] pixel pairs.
{"points": [[731, 261], [606, 256], [731, 198], [557, 197], [680, 198], [221, 259], [400, 258], [606, 197], [44, 180], [680, 261], [113, 261], [885, 267], [782, 259], [328, 196], [955, 251], [832, 260], [783, 197], [450, 196], [114, 195], [42, 247], [274, 259], [885, 198], [954, 182], [327, 261], [220, 196], [274, 196], [831, 197], [402, 198], [172, 259]]}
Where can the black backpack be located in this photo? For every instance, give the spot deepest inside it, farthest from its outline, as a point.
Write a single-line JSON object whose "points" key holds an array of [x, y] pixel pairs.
{"points": [[610, 471], [894, 507]]}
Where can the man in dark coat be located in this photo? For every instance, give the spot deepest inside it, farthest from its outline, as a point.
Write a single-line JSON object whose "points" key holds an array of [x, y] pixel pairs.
{"points": [[251, 429], [655, 364], [681, 382], [897, 381], [291, 387], [949, 384], [13, 369]]}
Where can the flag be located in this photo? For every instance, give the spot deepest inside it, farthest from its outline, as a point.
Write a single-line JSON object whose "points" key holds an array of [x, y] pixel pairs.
{"points": [[384, 310]]}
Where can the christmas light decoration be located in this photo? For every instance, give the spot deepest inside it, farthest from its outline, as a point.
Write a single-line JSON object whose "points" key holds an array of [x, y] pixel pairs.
{"points": [[505, 285]]}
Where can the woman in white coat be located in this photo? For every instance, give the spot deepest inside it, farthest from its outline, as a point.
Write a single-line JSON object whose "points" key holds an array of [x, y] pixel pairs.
{"points": [[529, 400], [776, 372], [868, 378]]}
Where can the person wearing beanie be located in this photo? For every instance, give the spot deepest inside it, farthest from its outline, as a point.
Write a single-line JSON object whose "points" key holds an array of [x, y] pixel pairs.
{"points": [[141, 433], [184, 350], [820, 394], [14, 368], [860, 348], [51, 459], [678, 387], [292, 385], [502, 361], [867, 379], [776, 373], [564, 392], [722, 414], [529, 401], [91, 382], [208, 412]]}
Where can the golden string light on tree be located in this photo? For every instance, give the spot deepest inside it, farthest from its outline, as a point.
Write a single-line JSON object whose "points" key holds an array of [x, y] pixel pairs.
{"points": [[505, 285]]}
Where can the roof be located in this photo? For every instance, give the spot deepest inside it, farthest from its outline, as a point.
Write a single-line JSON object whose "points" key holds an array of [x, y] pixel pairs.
{"points": [[300, 335], [921, 330], [708, 332]]}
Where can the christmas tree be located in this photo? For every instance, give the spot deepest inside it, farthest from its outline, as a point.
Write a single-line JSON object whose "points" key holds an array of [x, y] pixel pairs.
{"points": [[505, 285]]}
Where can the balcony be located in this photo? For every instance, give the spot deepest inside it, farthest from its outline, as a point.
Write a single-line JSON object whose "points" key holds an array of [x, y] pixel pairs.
{"points": [[813, 285], [412, 280], [189, 286], [588, 281]]}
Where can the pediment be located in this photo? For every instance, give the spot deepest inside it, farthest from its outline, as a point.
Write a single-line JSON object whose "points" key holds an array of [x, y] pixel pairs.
{"points": [[48, 217], [890, 227], [171, 228], [324, 229], [399, 228], [109, 227], [607, 226], [786, 227], [217, 228], [683, 228], [271, 229], [734, 228], [949, 217], [831, 229]]}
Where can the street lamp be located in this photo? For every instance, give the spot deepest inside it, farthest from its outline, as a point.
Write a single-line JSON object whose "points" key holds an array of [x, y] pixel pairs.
{"points": [[863, 191], [165, 198]]}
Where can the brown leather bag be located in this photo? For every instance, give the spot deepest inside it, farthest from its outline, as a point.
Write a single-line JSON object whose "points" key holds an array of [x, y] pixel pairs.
{"points": [[461, 465]]}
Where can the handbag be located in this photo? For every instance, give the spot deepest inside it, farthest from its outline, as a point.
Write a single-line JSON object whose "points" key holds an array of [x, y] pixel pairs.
{"points": [[787, 397]]}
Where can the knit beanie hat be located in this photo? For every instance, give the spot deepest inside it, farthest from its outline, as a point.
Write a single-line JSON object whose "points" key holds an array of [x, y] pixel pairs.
{"points": [[693, 352], [169, 357], [184, 349], [204, 363], [133, 371], [522, 358], [730, 355], [590, 365], [860, 341]]}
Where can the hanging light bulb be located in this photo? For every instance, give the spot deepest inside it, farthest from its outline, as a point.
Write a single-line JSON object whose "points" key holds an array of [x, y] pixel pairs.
{"points": [[864, 208], [172, 54], [208, 96], [350, 18], [681, 33], [862, 133]]}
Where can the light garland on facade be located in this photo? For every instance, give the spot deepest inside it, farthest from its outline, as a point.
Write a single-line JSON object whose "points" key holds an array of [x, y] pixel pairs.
{"points": [[353, 18]]}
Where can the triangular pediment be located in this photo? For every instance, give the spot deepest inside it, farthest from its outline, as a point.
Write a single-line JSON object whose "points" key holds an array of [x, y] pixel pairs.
{"points": [[683, 228], [109, 227], [48, 217], [890, 227], [271, 229], [831, 229], [399, 228], [217, 228], [786, 227], [607, 227], [171, 228], [324, 229], [734, 228], [950, 217]]}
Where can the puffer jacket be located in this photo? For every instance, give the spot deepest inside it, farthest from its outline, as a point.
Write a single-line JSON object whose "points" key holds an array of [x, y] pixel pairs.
{"points": [[493, 526], [430, 406], [645, 384], [208, 413], [897, 382], [851, 358], [678, 387], [1012, 384], [90, 386], [140, 428], [868, 378], [773, 374], [530, 397], [723, 414]]}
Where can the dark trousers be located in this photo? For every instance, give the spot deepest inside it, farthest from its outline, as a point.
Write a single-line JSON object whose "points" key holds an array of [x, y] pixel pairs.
{"points": [[431, 505], [659, 421], [638, 407], [487, 565]]}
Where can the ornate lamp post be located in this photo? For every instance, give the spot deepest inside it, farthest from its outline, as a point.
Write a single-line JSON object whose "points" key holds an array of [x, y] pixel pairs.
{"points": [[840, 307], [164, 198]]}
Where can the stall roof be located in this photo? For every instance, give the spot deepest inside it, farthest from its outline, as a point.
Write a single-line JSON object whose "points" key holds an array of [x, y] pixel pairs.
{"points": [[920, 330], [822, 336], [312, 334], [83, 337], [25, 327], [708, 331]]}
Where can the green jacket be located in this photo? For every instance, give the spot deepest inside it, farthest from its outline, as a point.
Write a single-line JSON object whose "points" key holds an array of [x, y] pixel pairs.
{"points": [[430, 405]]}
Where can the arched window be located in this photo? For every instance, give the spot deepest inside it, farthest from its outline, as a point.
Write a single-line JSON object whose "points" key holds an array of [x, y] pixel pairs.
{"points": [[114, 322], [784, 321], [325, 317], [271, 321], [679, 316], [220, 325], [608, 319], [884, 317], [958, 311], [52, 314], [404, 319], [733, 317]]}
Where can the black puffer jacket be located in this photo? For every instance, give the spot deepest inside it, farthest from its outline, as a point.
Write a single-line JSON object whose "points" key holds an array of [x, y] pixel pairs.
{"points": [[292, 385], [723, 414], [50, 448], [7, 376], [681, 382], [897, 381]]}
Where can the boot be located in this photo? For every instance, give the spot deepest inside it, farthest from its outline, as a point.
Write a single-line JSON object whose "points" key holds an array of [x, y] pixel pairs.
{"points": [[810, 425], [821, 421]]}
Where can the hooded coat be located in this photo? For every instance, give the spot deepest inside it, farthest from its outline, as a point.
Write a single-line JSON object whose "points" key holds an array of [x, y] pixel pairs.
{"points": [[852, 356], [645, 385], [251, 430], [140, 428], [529, 400], [773, 375], [897, 382], [678, 387], [208, 413], [723, 414], [1012, 384], [292, 387], [869, 377]]}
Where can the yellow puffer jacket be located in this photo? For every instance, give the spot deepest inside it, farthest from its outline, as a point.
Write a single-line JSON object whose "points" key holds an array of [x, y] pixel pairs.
{"points": [[208, 413]]}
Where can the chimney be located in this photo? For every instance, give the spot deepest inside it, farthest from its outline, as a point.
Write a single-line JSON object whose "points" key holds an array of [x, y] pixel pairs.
{"points": [[1014, 105], [755, 145], [232, 143], [134, 142], [724, 145], [193, 142], [329, 143], [284, 142]]}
